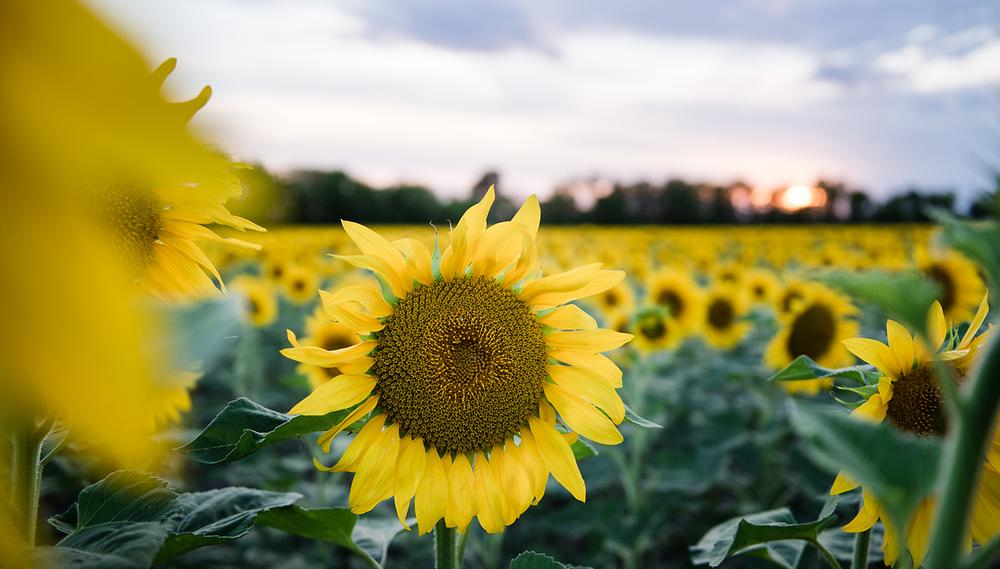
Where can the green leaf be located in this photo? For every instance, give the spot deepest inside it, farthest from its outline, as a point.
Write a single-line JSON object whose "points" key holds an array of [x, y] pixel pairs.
{"points": [[979, 241], [532, 560], [122, 496], [900, 469], [803, 367], [582, 449], [904, 296], [218, 516], [370, 534], [634, 418], [245, 427], [115, 545], [773, 535]]}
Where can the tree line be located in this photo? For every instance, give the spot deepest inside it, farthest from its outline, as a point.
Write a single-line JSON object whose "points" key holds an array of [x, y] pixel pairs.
{"points": [[325, 197]]}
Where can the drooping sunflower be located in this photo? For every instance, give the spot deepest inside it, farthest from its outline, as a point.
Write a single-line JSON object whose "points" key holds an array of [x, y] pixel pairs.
{"points": [[908, 397], [330, 336], [156, 220], [723, 309], [677, 292], [816, 326], [960, 283], [467, 358], [654, 330], [260, 306]]}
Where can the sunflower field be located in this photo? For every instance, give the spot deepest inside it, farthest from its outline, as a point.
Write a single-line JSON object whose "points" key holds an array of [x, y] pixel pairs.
{"points": [[182, 387]]}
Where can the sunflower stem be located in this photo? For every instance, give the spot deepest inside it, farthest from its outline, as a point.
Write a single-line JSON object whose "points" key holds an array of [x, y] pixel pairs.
{"points": [[830, 559], [446, 547], [862, 541], [26, 475], [961, 462]]}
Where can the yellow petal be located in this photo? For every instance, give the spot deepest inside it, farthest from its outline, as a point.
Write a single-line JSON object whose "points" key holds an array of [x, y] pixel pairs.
{"points": [[499, 247], [592, 341], [360, 445], [562, 282], [374, 245], [558, 458], [937, 327], [376, 473], [490, 501], [569, 317], [398, 284], [901, 345], [465, 237], [597, 284], [597, 363], [367, 295], [590, 386], [581, 416], [516, 481], [314, 355], [866, 517], [919, 537], [418, 259], [461, 494], [843, 483], [341, 392], [872, 410], [432, 493], [529, 216], [538, 474], [350, 314], [873, 352], [412, 460], [976, 323], [354, 416]]}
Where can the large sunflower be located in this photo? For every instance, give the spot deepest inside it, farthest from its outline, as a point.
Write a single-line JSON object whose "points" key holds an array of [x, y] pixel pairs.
{"points": [[466, 360], [815, 326], [156, 220], [909, 399]]}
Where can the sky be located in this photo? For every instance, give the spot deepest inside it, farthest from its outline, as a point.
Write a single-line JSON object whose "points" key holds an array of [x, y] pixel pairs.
{"points": [[880, 94]]}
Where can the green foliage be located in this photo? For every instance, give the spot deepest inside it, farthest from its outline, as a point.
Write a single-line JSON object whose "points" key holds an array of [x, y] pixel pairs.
{"points": [[131, 519], [977, 241], [877, 455], [803, 367], [532, 560], [245, 427], [634, 418], [367, 536], [883, 290], [773, 535]]}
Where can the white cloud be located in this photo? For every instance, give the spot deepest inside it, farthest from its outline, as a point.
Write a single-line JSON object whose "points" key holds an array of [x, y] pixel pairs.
{"points": [[966, 59]]}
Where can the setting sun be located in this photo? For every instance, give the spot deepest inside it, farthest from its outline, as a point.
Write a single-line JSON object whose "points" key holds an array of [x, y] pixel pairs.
{"points": [[800, 196]]}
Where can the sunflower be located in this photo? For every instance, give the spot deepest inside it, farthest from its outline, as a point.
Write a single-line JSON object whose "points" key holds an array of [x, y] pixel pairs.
{"points": [[654, 330], [731, 273], [619, 299], [792, 293], [299, 283], [156, 222], [722, 311], [677, 292], [259, 302], [761, 285], [328, 335], [909, 399], [172, 399], [467, 358], [960, 283], [815, 326]]}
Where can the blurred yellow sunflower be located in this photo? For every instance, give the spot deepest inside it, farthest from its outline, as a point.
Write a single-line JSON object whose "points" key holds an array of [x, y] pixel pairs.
{"points": [[791, 293], [155, 224], [619, 299], [467, 358], [677, 292], [260, 306], [909, 399], [816, 327], [960, 283], [654, 330], [299, 283], [723, 308], [761, 285], [330, 336]]}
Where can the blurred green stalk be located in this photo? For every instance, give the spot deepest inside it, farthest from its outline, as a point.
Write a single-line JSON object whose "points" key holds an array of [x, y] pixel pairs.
{"points": [[962, 460], [861, 542], [446, 547], [26, 475]]}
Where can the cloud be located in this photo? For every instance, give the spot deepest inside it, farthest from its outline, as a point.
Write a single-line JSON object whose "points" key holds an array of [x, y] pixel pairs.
{"points": [[965, 60]]}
